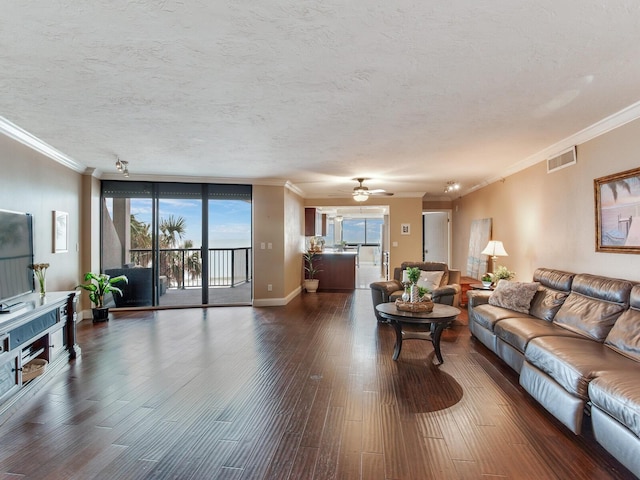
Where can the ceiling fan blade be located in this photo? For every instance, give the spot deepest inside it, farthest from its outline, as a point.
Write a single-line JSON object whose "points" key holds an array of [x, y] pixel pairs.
{"points": [[381, 193]]}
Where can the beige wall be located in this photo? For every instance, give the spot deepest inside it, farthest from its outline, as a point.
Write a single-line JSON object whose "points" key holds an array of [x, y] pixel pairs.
{"points": [[401, 211], [268, 221], [294, 242], [548, 220], [35, 184]]}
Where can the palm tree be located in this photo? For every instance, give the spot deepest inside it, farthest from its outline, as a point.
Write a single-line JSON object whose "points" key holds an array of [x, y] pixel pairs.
{"points": [[171, 231], [193, 265]]}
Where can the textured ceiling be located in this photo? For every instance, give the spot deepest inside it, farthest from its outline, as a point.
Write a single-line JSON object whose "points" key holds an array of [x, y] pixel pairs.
{"points": [[411, 94]]}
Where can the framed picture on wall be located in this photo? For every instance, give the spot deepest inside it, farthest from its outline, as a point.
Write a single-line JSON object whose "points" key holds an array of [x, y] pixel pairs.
{"points": [[60, 232], [617, 201], [405, 229]]}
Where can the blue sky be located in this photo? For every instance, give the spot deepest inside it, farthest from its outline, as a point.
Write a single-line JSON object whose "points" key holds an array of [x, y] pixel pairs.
{"points": [[229, 220]]}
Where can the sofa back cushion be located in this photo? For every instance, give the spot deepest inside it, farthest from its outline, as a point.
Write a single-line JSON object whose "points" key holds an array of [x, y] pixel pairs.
{"points": [[594, 305], [514, 296], [624, 337], [554, 289]]}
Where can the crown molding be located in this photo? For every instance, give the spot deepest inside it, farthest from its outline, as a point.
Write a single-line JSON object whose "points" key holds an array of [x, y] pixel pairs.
{"points": [[618, 119], [20, 135]]}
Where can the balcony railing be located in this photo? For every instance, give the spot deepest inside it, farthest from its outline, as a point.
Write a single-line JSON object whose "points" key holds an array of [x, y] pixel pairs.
{"points": [[182, 267]]}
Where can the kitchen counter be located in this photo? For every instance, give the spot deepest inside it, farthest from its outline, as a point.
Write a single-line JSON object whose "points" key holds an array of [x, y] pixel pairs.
{"points": [[337, 270]]}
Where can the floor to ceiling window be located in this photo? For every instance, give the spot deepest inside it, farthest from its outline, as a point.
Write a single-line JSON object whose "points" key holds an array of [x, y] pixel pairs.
{"points": [[178, 243]]}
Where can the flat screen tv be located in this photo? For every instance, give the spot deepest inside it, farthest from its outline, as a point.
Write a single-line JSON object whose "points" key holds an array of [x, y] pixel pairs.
{"points": [[16, 255]]}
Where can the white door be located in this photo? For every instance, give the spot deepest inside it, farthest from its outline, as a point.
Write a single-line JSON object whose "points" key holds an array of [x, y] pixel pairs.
{"points": [[436, 237]]}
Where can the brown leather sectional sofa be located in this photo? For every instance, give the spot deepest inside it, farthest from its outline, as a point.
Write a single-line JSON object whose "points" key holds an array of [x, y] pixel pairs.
{"points": [[577, 351]]}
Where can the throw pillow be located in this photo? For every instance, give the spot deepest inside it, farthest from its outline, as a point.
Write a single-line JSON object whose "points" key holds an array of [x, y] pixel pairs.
{"points": [[515, 296], [430, 280]]}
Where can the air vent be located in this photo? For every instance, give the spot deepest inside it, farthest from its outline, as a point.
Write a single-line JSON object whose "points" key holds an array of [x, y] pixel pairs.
{"points": [[564, 159]]}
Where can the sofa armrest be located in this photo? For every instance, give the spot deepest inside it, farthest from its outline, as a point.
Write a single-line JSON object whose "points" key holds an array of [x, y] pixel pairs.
{"points": [[477, 297], [387, 287], [447, 295], [380, 292]]}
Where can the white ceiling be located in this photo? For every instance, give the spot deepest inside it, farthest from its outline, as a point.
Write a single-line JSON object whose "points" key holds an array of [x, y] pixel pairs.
{"points": [[411, 94]]}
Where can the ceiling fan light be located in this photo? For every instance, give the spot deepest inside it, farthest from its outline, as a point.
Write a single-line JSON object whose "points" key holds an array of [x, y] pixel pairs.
{"points": [[360, 197]]}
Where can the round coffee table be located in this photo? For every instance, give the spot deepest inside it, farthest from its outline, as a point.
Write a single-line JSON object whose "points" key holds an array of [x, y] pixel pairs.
{"points": [[438, 319]]}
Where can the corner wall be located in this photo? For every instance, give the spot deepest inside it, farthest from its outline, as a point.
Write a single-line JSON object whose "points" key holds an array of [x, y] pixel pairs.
{"points": [[38, 185], [548, 220]]}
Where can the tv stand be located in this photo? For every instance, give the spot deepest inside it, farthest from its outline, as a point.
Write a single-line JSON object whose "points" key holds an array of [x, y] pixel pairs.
{"points": [[43, 329]]}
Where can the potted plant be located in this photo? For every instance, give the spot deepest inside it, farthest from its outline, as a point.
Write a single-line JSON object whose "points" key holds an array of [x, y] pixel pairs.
{"points": [[310, 281], [502, 273], [98, 285], [487, 279], [413, 274]]}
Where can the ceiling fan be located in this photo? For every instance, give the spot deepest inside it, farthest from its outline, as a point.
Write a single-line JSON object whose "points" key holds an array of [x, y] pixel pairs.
{"points": [[362, 193]]}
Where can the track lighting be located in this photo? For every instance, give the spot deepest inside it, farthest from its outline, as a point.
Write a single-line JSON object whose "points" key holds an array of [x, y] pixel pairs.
{"points": [[122, 166]]}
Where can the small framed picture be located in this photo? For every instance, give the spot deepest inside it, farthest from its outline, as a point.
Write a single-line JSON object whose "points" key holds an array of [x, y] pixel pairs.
{"points": [[60, 232], [405, 229]]}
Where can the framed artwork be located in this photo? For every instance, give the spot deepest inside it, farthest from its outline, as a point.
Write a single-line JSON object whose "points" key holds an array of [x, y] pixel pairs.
{"points": [[617, 202], [405, 229], [479, 236], [60, 232]]}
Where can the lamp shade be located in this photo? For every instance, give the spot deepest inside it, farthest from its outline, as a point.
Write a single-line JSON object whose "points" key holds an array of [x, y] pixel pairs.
{"points": [[495, 249]]}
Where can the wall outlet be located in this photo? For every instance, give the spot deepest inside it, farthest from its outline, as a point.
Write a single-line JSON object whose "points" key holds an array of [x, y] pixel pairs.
{"points": [[269, 246], [262, 246], [269, 288]]}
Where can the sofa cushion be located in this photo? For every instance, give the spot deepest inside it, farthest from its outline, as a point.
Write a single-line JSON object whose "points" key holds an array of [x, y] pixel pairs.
{"points": [[554, 279], [574, 361], [488, 315], [625, 334], [515, 296], [555, 286], [593, 305], [546, 303], [618, 394], [517, 332], [430, 280]]}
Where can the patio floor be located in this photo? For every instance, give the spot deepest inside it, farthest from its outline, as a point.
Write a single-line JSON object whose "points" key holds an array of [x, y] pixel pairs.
{"points": [[242, 294]]}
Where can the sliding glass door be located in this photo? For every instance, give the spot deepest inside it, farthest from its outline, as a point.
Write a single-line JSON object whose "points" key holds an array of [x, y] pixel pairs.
{"points": [[179, 244]]}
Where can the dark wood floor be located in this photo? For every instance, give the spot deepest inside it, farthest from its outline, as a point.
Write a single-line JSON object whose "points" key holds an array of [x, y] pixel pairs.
{"points": [[306, 391]]}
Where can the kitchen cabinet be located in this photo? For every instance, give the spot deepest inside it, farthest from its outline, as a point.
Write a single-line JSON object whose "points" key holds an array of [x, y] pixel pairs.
{"points": [[315, 223]]}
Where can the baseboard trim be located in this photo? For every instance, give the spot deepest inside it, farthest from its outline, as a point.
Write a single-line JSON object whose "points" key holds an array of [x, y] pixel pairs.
{"points": [[277, 302]]}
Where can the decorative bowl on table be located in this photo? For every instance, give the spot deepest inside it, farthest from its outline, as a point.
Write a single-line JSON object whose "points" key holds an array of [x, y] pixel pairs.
{"points": [[425, 306], [486, 284]]}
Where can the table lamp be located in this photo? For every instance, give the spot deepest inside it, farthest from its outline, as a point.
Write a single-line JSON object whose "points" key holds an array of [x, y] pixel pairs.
{"points": [[495, 249]]}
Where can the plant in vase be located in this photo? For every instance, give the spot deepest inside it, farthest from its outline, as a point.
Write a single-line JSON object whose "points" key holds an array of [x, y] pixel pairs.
{"points": [[424, 294], [487, 279], [98, 285], [310, 282], [502, 273], [413, 275], [40, 271]]}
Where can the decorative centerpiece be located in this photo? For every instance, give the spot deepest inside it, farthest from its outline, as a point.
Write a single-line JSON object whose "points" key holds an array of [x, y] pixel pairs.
{"points": [[416, 299], [487, 279]]}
